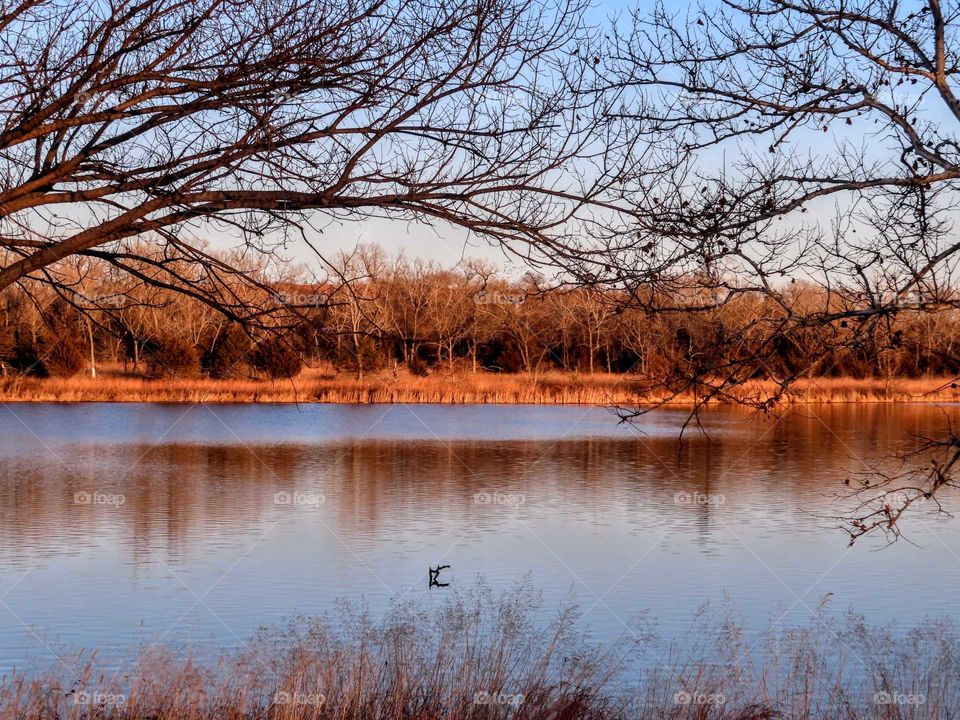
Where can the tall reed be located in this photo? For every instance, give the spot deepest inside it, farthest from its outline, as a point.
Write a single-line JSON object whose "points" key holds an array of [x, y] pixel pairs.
{"points": [[483, 657], [323, 385]]}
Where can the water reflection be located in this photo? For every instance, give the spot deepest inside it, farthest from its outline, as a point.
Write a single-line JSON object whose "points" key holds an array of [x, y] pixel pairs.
{"points": [[627, 521]]}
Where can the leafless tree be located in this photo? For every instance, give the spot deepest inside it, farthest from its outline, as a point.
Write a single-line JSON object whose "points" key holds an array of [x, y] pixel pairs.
{"points": [[789, 141], [162, 121]]}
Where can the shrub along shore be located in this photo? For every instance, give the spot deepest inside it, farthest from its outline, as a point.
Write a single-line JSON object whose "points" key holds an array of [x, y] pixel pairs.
{"points": [[326, 385]]}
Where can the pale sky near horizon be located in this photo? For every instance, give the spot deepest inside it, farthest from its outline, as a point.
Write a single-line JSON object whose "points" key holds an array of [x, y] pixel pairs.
{"points": [[446, 245]]}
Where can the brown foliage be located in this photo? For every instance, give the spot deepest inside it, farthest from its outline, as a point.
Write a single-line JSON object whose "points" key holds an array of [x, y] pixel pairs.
{"points": [[230, 355], [173, 358], [276, 359]]}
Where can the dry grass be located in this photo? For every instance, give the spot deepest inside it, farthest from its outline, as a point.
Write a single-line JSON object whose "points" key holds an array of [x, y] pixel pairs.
{"points": [[325, 385], [477, 658]]}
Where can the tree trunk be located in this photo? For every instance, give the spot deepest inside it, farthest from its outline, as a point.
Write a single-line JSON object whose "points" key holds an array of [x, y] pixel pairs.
{"points": [[93, 357], [359, 356]]}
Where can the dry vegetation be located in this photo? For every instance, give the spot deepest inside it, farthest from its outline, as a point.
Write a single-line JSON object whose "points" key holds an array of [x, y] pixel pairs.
{"points": [[478, 657], [325, 384], [390, 329]]}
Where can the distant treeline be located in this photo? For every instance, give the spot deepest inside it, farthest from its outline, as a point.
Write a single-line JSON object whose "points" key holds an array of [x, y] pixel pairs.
{"points": [[376, 312]]}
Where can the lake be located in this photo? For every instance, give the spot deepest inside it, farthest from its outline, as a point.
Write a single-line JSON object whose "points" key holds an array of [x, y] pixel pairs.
{"points": [[124, 526]]}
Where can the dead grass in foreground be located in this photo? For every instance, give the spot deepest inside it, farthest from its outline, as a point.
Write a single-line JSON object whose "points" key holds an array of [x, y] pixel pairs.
{"points": [[480, 658], [324, 385]]}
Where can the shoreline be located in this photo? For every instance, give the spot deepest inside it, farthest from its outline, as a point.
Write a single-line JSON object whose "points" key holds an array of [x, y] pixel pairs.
{"points": [[322, 386]]}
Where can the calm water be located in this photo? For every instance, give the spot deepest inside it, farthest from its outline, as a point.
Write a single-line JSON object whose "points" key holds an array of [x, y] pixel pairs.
{"points": [[123, 526]]}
